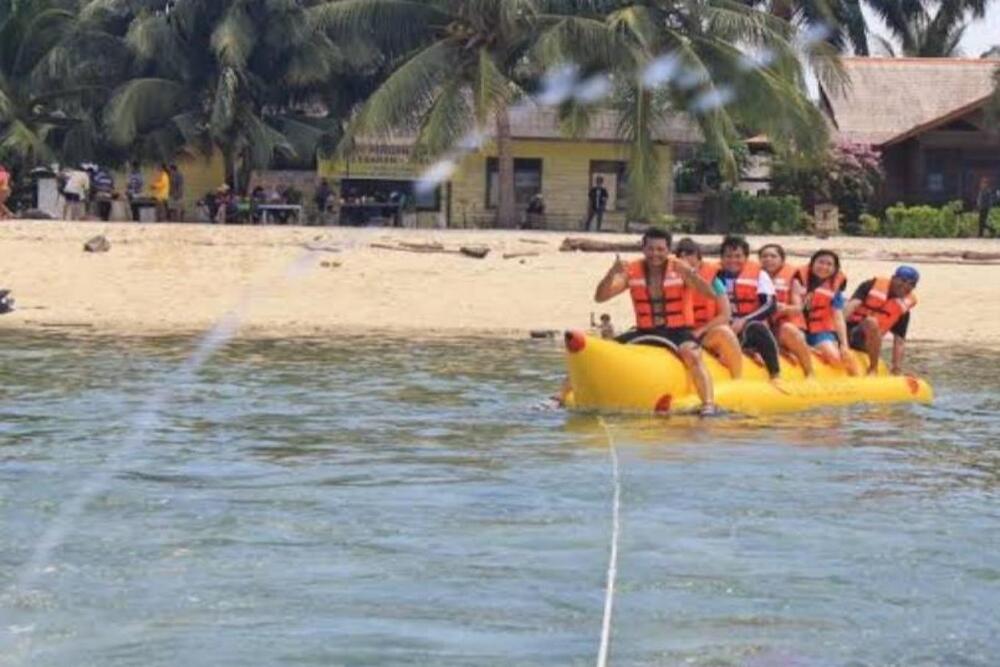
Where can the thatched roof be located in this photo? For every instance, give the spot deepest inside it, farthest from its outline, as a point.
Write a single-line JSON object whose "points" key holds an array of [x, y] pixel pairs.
{"points": [[887, 99], [538, 122], [543, 123]]}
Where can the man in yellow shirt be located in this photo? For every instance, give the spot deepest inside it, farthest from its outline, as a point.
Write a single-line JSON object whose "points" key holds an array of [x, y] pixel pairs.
{"points": [[160, 189]]}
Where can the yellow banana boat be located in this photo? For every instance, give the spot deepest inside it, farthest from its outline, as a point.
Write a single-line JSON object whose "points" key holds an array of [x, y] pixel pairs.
{"points": [[609, 376]]}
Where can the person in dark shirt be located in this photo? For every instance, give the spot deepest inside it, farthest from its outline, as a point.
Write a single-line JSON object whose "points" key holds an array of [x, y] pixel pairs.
{"points": [[597, 203], [880, 306], [752, 298]]}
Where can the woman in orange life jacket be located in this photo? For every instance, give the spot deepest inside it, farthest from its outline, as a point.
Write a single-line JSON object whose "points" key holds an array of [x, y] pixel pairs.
{"points": [[661, 286], [787, 321], [711, 316], [751, 296], [877, 307], [819, 287]]}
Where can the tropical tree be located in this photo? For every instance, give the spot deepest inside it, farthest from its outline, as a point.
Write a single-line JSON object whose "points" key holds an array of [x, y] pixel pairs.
{"points": [[459, 65], [735, 69], [462, 64], [926, 30], [54, 74], [922, 35], [254, 80]]}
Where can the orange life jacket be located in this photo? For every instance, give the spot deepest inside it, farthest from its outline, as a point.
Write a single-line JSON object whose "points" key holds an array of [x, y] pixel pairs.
{"points": [[676, 307], [744, 297], [783, 297], [886, 311], [705, 308], [819, 314]]}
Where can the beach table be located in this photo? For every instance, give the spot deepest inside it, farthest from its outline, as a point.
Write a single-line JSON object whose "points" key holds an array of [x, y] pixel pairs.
{"points": [[267, 209], [378, 213]]}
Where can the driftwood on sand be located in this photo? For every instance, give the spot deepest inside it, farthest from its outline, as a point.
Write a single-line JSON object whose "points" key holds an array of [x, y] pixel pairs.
{"points": [[576, 244], [477, 252], [516, 255]]}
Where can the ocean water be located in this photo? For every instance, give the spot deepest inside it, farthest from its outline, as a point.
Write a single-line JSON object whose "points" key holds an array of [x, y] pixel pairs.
{"points": [[374, 501]]}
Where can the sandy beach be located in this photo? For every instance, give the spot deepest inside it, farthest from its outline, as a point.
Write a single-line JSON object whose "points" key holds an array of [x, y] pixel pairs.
{"points": [[301, 281]]}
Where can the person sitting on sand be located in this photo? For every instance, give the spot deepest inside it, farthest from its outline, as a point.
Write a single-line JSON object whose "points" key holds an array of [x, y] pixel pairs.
{"points": [[711, 316], [661, 287], [787, 321], [819, 287], [880, 306], [751, 296]]}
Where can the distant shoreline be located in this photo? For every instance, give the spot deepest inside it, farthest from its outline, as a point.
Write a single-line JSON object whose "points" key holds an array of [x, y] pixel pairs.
{"points": [[180, 279]]}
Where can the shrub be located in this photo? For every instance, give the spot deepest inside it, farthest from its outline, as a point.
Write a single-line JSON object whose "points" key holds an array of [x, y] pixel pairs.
{"points": [[678, 225], [869, 225], [764, 215], [925, 221]]}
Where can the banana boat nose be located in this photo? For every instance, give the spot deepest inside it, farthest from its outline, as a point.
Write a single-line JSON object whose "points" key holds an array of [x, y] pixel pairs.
{"points": [[575, 341]]}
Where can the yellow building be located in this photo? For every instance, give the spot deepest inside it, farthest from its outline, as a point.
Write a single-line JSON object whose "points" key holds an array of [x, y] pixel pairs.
{"points": [[546, 162]]}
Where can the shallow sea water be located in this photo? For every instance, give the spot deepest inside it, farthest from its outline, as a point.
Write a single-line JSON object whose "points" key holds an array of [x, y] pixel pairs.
{"points": [[388, 502]]}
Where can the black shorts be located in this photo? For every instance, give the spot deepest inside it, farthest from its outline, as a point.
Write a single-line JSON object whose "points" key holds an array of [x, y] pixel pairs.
{"points": [[71, 197], [856, 337], [661, 336]]}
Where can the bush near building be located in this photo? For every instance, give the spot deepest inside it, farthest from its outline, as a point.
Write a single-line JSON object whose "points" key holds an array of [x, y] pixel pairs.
{"points": [[764, 214], [945, 222]]}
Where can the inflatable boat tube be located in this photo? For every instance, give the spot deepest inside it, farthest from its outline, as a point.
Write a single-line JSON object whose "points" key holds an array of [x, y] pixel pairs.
{"points": [[608, 376]]}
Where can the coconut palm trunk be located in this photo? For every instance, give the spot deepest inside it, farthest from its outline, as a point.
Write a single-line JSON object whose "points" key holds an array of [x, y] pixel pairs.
{"points": [[506, 205]]}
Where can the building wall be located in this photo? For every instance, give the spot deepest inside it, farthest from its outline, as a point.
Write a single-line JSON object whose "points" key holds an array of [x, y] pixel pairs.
{"points": [[955, 161], [565, 181]]}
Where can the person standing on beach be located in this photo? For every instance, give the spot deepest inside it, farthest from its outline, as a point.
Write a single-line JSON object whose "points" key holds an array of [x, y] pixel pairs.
{"points": [[5, 191], [160, 189], [175, 211], [880, 306], [597, 203], [104, 192], [984, 202], [133, 188], [661, 287], [76, 193]]}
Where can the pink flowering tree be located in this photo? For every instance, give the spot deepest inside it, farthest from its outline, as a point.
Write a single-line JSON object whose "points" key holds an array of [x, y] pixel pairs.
{"points": [[848, 175]]}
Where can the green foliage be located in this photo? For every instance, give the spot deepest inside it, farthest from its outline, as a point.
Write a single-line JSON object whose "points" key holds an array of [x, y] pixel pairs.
{"points": [[765, 214], [869, 225], [847, 175], [677, 225], [703, 172], [947, 221]]}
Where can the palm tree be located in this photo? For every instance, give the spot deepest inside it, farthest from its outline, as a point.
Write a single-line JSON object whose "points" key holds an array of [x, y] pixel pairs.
{"points": [[734, 68], [237, 75], [54, 71], [458, 65], [923, 34], [461, 64]]}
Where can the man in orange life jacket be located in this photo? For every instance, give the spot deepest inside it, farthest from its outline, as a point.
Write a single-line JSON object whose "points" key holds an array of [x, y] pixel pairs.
{"points": [[752, 297], [878, 306], [661, 287]]}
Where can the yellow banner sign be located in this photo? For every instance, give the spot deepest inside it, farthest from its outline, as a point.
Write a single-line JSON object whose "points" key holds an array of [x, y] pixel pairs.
{"points": [[373, 160]]}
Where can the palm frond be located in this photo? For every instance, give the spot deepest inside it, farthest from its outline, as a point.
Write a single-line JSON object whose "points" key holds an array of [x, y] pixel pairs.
{"points": [[140, 105]]}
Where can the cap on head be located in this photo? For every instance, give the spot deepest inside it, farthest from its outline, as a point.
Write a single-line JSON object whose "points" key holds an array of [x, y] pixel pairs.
{"points": [[907, 273]]}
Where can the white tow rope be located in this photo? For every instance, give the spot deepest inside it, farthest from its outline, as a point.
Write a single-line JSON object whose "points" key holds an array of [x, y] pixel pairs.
{"points": [[609, 593]]}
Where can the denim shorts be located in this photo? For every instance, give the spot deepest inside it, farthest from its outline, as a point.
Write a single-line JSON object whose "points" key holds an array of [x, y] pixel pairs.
{"points": [[815, 339]]}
